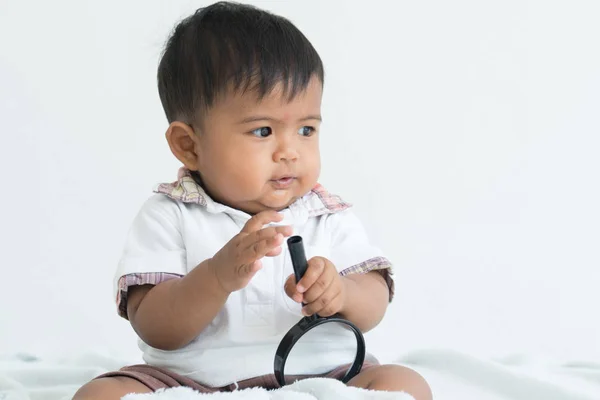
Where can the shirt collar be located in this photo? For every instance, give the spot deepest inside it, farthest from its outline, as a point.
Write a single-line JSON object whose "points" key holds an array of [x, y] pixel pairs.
{"points": [[185, 189]]}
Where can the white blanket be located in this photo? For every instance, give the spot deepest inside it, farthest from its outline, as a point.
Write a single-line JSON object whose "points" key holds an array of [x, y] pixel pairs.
{"points": [[452, 376], [308, 389]]}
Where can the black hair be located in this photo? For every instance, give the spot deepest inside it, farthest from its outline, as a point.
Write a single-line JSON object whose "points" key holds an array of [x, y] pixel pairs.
{"points": [[232, 46]]}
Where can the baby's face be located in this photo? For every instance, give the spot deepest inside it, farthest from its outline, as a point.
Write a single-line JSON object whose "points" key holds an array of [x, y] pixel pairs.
{"points": [[257, 155]]}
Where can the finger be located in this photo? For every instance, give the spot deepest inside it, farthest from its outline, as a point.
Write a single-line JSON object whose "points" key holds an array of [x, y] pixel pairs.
{"points": [[261, 219], [260, 249], [285, 230], [256, 266], [275, 252], [321, 286], [248, 270], [325, 306], [290, 289], [263, 234], [322, 302], [315, 268]]}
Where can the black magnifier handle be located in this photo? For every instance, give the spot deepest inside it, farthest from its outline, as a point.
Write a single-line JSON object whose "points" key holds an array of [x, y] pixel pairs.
{"points": [[299, 262]]}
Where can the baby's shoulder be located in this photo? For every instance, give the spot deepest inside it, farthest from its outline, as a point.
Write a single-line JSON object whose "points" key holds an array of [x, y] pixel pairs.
{"points": [[159, 203]]}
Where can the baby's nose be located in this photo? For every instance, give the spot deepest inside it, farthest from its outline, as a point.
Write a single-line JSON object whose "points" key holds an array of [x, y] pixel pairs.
{"points": [[286, 152]]}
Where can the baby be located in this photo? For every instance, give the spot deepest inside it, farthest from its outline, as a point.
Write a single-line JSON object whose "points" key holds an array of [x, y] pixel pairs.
{"points": [[205, 279]]}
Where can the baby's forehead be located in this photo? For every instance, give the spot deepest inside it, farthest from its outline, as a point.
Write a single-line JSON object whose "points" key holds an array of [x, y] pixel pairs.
{"points": [[279, 99], [279, 91]]}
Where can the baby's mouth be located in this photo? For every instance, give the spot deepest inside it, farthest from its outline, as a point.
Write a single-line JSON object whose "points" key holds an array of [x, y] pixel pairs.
{"points": [[283, 182]]}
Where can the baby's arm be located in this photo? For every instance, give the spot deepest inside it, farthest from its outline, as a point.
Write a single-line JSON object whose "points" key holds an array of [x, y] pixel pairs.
{"points": [[366, 272], [171, 314], [366, 300]]}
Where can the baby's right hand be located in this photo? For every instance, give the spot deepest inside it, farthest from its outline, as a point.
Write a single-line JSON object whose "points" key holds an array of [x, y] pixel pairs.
{"points": [[237, 262]]}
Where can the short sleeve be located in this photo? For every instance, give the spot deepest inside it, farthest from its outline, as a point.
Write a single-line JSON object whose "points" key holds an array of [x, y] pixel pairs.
{"points": [[154, 251], [353, 253]]}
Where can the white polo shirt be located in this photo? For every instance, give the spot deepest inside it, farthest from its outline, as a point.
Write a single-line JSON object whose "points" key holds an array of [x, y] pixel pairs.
{"points": [[180, 226]]}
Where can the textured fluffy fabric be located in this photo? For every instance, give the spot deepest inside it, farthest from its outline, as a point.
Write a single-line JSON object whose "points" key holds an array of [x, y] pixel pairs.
{"points": [[308, 389]]}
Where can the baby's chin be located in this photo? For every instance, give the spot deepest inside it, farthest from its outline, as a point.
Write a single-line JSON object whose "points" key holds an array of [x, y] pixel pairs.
{"points": [[279, 205], [278, 201]]}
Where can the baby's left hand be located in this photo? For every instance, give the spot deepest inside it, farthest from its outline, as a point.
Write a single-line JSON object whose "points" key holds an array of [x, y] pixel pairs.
{"points": [[321, 289]]}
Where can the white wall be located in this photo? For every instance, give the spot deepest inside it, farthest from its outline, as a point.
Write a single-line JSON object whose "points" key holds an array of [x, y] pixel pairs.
{"points": [[465, 132]]}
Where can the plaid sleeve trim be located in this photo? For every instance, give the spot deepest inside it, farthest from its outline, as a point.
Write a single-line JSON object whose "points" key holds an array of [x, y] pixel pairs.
{"points": [[380, 264], [148, 278]]}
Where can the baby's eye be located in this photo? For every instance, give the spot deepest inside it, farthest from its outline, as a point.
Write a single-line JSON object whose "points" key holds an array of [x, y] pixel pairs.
{"points": [[306, 131], [262, 132]]}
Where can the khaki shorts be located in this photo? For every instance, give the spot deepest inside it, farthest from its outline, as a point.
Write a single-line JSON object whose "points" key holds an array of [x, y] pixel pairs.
{"points": [[158, 378]]}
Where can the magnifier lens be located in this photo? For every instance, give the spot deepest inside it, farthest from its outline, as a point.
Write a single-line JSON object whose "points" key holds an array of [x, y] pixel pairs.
{"points": [[321, 350]]}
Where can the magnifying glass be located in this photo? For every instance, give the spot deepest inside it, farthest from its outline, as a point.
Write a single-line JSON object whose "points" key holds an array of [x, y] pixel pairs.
{"points": [[306, 324]]}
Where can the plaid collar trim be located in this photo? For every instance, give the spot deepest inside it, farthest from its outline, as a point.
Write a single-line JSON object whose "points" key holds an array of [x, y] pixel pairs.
{"points": [[317, 202]]}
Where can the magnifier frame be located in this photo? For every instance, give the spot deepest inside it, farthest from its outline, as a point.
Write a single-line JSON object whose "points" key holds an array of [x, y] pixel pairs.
{"points": [[304, 326]]}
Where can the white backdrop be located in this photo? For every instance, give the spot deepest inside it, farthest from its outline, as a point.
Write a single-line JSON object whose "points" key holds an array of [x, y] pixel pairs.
{"points": [[466, 133]]}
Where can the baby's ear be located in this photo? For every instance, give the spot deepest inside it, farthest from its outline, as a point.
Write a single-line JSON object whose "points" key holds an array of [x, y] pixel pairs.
{"points": [[182, 141]]}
